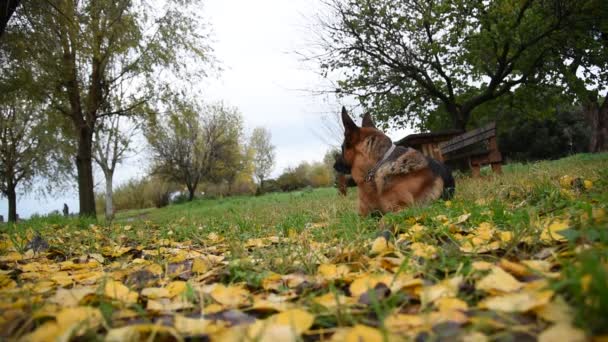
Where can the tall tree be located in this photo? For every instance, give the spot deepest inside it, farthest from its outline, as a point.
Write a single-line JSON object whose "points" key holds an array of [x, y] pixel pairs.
{"points": [[86, 49], [23, 150], [112, 142], [26, 136], [193, 142], [264, 154], [581, 65], [406, 59], [233, 160]]}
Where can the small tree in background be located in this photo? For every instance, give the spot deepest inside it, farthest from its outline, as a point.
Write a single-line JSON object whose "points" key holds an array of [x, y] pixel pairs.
{"points": [[264, 155], [193, 143], [111, 143]]}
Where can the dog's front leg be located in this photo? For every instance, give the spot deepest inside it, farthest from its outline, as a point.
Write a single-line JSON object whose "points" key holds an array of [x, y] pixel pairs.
{"points": [[367, 204], [364, 209]]}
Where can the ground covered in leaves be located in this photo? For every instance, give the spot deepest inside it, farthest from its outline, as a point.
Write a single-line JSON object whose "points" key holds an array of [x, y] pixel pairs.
{"points": [[518, 257]]}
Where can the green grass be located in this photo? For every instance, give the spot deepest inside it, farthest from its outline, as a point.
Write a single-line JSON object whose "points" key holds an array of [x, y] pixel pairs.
{"points": [[515, 202]]}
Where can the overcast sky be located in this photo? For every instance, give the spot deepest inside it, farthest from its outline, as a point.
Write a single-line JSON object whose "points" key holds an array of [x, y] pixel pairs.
{"points": [[255, 41]]}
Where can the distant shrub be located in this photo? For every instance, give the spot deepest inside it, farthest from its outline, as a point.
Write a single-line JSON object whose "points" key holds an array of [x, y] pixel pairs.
{"points": [[141, 193], [271, 185], [306, 175], [241, 186]]}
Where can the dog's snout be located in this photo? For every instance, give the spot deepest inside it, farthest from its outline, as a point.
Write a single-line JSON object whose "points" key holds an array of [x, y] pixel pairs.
{"points": [[341, 166]]}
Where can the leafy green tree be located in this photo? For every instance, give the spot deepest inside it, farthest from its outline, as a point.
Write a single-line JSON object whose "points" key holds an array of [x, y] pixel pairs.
{"points": [[26, 136], [233, 157], [406, 59], [23, 149], [582, 67], [87, 50], [193, 143], [264, 154]]}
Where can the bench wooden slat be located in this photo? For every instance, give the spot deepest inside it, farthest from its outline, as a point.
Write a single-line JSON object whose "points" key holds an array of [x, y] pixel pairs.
{"points": [[467, 142], [471, 135], [477, 147]]}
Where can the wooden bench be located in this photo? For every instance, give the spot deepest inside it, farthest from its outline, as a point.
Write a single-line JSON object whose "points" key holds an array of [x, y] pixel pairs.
{"points": [[475, 148]]}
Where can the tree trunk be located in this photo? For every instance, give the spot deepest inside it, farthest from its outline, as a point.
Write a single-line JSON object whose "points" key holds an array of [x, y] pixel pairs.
{"points": [[597, 117], [109, 193], [459, 118], [84, 166], [11, 194], [191, 191]]}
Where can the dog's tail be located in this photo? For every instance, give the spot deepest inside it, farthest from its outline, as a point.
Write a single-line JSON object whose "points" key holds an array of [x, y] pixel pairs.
{"points": [[443, 171]]}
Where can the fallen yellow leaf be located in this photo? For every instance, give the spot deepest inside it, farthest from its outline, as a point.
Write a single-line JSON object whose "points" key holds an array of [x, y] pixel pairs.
{"points": [[230, 296], [155, 292], [423, 250], [450, 304], [551, 232], [557, 311], [195, 326], [380, 245], [142, 332], [116, 290], [332, 272], [71, 297], [517, 302], [199, 266], [358, 333], [498, 281], [446, 288], [367, 282], [297, 319], [562, 332]]}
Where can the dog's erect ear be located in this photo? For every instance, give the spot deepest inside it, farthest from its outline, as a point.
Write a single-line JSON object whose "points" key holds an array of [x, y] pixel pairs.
{"points": [[367, 121], [349, 124]]}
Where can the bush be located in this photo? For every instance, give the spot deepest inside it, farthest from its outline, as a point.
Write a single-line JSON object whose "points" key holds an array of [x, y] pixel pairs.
{"points": [[305, 175], [142, 193], [271, 185], [240, 186]]}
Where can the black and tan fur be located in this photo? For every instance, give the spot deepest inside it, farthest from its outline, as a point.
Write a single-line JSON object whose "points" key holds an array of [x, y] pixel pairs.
{"points": [[406, 177]]}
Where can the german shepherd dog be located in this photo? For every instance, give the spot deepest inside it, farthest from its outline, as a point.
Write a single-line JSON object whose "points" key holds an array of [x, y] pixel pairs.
{"points": [[389, 177]]}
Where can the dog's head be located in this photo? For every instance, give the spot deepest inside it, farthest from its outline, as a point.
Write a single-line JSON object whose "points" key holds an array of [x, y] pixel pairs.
{"points": [[365, 139]]}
